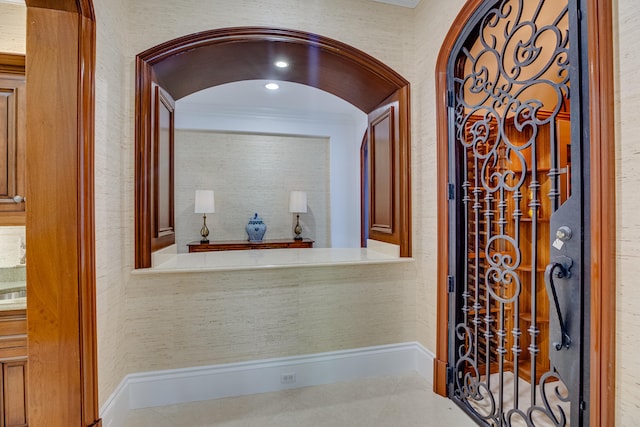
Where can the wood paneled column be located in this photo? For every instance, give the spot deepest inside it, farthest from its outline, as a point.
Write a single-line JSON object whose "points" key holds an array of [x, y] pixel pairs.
{"points": [[60, 214]]}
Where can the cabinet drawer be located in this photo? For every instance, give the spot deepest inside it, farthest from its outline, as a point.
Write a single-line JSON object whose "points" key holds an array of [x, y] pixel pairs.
{"points": [[12, 347], [13, 323]]}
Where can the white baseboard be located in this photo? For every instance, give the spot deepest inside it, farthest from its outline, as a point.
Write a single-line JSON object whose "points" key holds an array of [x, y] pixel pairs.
{"points": [[169, 387]]}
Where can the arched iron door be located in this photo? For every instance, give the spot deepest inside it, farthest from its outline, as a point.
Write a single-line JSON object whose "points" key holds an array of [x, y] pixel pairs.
{"points": [[518, 351]]}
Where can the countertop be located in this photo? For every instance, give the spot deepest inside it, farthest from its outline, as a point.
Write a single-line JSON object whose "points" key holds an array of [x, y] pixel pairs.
{"points": [[258, 259], [16, 303]]}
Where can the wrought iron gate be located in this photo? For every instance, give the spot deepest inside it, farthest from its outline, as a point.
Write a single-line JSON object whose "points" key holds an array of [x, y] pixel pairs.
{"points": [[518, 294]]}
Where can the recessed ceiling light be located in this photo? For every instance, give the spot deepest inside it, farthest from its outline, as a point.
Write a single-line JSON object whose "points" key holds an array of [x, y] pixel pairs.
{"points": [[282, 64], [272, 86]]}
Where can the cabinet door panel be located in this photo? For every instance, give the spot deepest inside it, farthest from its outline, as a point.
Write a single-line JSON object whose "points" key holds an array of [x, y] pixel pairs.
{"points": [[385, 171], [5, 112], [15, 393], [12, 146]]}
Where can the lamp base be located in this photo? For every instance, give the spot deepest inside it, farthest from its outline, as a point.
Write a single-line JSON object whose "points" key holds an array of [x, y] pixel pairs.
{"points": [[204, 231], [297, 229]]}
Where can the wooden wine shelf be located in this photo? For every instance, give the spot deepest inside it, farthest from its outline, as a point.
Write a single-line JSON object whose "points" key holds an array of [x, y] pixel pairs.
{"points": [[478, 229], [527, 318], [528, 268], [527, 219]]}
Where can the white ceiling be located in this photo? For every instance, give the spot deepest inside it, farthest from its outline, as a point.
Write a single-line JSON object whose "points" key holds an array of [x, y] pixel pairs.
{"points": [[290, 99], [405, 3], [13, 2]]}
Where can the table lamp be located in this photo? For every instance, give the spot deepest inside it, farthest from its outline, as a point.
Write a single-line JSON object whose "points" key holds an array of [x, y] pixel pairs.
{"points": [[205, 203], [298, 205]]}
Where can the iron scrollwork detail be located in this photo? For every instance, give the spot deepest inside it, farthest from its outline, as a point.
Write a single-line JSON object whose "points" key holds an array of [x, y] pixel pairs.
{"points": [[512, 79]]}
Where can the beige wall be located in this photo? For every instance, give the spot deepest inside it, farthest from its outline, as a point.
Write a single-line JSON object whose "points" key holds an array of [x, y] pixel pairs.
{"points": [[13, 28], [208, 318], [433, 20], [251, 173], [114, 190], [12, 240], [157, 322], [627, 106], [165, 322]]}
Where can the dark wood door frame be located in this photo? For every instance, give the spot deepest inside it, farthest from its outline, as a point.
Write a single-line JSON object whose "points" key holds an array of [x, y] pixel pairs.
{"points": [[602, 228], [61, 309]]}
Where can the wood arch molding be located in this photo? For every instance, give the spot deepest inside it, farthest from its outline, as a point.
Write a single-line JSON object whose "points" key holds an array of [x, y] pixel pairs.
{"points": [[191, 63], [602, 205], [62, 356]]}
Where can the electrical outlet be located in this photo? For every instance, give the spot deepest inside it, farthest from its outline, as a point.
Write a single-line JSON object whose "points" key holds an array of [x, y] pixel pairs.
{"points": [[288, 378]]}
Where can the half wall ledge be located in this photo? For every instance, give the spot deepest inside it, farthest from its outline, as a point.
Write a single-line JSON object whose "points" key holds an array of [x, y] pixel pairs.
{"points": [[168, 260]]}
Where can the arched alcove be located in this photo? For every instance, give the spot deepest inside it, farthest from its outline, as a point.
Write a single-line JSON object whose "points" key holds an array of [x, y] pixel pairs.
{"points": [[188, 64]]}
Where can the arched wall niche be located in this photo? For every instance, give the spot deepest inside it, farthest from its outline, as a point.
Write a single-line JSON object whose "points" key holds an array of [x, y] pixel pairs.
{"points": [[188, 64]]}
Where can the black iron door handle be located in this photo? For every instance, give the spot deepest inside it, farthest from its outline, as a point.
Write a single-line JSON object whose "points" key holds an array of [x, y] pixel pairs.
{"points": [[560, 271]]}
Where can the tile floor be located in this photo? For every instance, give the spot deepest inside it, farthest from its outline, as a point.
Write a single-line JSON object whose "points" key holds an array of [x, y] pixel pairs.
{"points": [[399, 401]]}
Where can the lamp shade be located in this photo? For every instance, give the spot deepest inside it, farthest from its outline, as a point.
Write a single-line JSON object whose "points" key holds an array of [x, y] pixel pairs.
{"points": [[298, 202], [205, 201]]}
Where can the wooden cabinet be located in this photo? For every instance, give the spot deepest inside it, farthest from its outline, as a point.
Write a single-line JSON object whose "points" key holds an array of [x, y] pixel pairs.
{"points": [[12, 140], [13, 368], [235, 245]]}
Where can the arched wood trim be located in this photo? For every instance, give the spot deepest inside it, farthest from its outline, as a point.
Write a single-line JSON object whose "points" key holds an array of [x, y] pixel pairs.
{"points": [[191, 63], [62, 355], [249, 53], [602, 228]]}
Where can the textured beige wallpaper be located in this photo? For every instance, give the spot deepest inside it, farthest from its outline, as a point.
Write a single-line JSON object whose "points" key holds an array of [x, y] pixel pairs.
{"points": [[113, 188], [208, 318], [251, 173], [13, 28], [433, 20], [626, 64], [381, 30]]}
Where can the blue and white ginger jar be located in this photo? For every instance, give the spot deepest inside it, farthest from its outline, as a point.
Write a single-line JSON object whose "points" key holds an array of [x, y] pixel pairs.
{"points": [[256, 229]]}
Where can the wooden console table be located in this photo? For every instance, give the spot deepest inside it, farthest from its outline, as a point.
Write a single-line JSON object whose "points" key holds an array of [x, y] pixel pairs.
{"points": [[236, 245]]}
